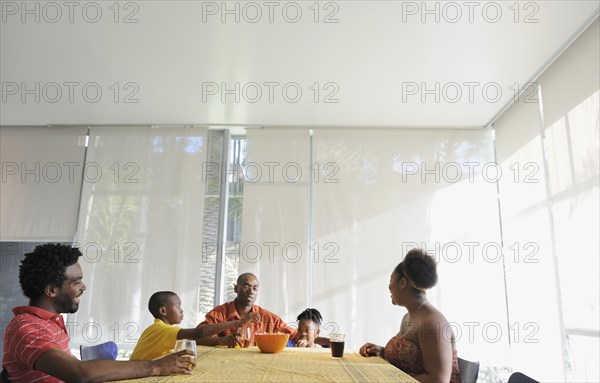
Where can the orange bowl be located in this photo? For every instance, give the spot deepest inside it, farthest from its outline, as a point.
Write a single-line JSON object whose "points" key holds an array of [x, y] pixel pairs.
{"points": [[271, 342]]}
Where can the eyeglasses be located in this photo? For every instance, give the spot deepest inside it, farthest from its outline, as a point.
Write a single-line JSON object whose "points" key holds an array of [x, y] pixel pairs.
{"points": [[249, 288]]}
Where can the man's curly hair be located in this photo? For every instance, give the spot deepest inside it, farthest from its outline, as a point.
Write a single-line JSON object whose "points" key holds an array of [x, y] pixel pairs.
{"points": [[45, 266]]}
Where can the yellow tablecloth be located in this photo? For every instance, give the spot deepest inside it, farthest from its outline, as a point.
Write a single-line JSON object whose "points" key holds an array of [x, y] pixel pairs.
{"points": [[215, 364]]}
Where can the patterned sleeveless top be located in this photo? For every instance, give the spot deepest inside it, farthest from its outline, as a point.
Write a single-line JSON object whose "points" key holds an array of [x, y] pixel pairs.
{"points": [[406, 355]]}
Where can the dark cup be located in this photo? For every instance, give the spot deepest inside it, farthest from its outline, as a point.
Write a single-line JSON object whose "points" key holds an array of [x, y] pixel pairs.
{"points": [[336, 342], [337, 349]]}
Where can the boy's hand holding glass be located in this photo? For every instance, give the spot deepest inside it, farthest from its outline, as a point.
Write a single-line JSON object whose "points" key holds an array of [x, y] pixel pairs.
{"points": [[230, 340]]}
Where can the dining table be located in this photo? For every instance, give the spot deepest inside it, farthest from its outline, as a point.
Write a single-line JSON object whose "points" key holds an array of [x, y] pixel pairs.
{"points": [[216, 364]]}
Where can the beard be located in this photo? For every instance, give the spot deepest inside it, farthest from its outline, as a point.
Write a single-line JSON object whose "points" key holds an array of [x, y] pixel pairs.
{"points": [[67, 305]]}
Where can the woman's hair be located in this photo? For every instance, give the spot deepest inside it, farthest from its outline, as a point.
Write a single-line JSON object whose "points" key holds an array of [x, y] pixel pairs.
{"points": [[45, 266], [419, 268], [311, 314]]}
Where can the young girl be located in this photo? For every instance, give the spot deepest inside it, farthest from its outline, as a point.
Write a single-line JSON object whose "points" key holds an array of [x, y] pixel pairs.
{"points": [[309, 322]]}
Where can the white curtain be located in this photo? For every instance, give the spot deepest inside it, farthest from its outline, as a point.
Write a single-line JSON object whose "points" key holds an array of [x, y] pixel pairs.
{"points": [[42, 168], [368, 198], [550, 212], [140, 228], [387, 191], [275, 217], [530, 269], [570, 94]]}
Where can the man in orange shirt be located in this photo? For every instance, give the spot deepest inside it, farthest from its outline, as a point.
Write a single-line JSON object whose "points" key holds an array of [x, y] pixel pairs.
{"points": [[246, 289]]}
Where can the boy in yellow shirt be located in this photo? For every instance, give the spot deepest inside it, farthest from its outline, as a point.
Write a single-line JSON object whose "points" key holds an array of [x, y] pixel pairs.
{"points": [[159, 338]]}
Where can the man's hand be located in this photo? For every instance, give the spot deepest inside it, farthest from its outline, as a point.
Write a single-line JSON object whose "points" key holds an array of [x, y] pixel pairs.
{"points": [[182, 362], [66, 367], [250, 318]]}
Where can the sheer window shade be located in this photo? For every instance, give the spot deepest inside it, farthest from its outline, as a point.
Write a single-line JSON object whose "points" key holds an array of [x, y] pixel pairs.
{"points": [[364, 214], [42, 170], [570, 92], [275, 217], [140, 228], [389, 190], [553, 207], [526, 231]]}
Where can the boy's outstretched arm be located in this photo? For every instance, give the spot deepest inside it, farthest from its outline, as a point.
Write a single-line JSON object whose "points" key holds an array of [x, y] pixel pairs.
{"points": [[205, 330]]}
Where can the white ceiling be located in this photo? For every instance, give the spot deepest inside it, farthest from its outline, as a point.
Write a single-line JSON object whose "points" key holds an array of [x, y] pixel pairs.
{"points": [[377, 61]]}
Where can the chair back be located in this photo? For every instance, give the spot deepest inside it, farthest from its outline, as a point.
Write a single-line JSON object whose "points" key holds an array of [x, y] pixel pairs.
{"points": [[107, 350], [518, 377], [4, 376], [468, 370]]}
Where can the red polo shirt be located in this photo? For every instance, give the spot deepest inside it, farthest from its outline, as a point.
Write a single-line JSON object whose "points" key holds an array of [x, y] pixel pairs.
{"points": [[29, 334], [269, 322]]}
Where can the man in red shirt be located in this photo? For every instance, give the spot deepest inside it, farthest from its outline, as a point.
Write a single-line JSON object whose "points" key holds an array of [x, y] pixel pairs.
{"points": [[36, 343], [246, 289]]}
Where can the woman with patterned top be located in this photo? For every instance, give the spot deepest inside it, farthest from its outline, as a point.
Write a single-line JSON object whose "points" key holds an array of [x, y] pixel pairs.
{"points": [[425, 346]]}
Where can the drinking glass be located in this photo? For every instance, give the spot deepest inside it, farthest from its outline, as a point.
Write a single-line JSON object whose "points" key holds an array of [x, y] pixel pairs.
{"points": [[245, 335], [337, 342], [186, 344]]}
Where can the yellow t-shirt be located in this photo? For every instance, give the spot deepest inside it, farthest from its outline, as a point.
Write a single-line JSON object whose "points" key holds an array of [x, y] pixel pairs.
{"points": [[156, 341]]}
